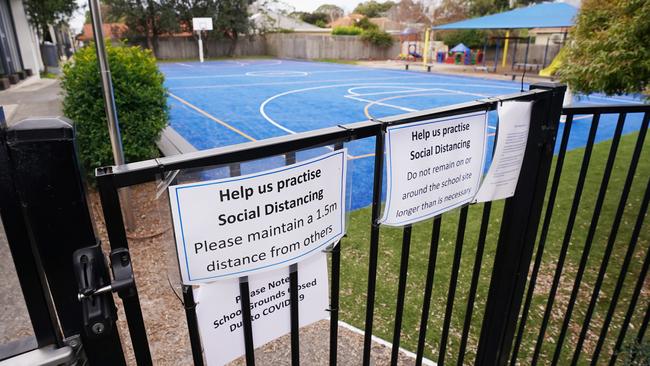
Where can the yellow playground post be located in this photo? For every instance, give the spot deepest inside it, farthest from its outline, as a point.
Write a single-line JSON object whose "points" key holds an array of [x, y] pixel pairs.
{"points": [[425, 54], [505, 49]]}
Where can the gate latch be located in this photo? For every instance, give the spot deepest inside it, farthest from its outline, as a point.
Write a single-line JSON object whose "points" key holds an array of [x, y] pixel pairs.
{"points": [[95, 286]]}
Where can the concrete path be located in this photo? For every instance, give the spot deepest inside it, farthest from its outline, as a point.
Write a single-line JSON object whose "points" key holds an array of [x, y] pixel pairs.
{"points": [[32, 98]]}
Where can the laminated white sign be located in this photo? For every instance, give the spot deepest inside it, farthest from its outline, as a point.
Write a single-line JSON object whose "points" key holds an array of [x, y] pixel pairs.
{"points": [[433, 166], [501, 180], [219, 308], [241, 225]]}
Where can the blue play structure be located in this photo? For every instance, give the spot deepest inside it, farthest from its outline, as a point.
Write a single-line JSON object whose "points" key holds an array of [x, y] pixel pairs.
{"points": [[462, 51], [220, 103]]}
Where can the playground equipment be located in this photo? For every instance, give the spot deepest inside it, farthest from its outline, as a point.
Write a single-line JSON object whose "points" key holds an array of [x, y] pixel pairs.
{"points": [[555, 64], [461, 55], [411, 45]]}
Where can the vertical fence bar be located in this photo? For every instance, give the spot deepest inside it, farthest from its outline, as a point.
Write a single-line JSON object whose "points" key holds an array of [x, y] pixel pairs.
{"points": [[334, 303], [485, 221], [295, 320], [612, 236], [496, 56], [290, 158], [518, 233], [249, 346], [192, 325], [117, 236], [453, 281], [567, 237], [428, 289], [401, 293], [374, 245], [244, 291], [542, 239], [600, 199], [644, 325], [334, 295], [640, 281], [639, 337]]}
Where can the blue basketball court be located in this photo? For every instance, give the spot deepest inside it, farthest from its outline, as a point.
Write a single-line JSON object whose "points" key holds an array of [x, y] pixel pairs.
{"points": [[221, 103]]}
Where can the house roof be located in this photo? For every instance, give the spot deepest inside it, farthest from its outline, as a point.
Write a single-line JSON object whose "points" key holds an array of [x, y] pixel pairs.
{"points": [[274, 20], [544, 15], [347, 20], [111, 30]]}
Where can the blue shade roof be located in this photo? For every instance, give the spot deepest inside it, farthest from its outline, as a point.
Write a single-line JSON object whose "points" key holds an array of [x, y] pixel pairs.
{"points": [[545, 15]]}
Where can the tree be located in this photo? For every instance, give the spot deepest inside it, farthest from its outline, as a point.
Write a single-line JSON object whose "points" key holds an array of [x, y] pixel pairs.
{"points": [[479, 8], [471, 38], [231, 20], [609, 50], [365, 24], [372, 8], [150, 18], [450, 11], [319, 19], [409, 11], [333, 12], [43, 13], [107, 15]]}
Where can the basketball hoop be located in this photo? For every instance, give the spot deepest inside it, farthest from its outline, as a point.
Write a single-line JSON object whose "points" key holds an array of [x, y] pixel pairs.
{"points": [[200, 25]]}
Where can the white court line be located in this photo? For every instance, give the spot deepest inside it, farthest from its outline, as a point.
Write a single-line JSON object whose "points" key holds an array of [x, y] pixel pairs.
{"points": [[283, 128], [229, 86], [182, 64], [218, 86], [405, 109], [252, 74], [405, 89]]}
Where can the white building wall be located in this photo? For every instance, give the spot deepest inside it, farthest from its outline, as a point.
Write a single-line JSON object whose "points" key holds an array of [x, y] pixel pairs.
{"points": [[27, 39]]}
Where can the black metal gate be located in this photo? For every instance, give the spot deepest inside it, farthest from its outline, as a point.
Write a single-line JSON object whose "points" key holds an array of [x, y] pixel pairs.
{"points": [[503, 333]]}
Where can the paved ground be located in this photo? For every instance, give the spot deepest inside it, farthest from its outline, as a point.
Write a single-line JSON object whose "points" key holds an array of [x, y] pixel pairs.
{"points": [[32, 98], [14, 319]]}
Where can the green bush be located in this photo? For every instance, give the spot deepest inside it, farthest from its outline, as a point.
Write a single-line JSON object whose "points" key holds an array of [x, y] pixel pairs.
{"points": [[377, 37], [346, 31], [365, 24], [139, 96]]}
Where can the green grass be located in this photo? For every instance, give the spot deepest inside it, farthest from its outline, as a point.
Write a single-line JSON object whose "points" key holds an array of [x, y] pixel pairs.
{"points": [[336, 61], [48, 75], [253, 57], [355, 263]]}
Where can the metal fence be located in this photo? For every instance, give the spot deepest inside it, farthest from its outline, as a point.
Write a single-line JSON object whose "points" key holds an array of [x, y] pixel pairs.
{"points": [[520, 222], [508, 308]]}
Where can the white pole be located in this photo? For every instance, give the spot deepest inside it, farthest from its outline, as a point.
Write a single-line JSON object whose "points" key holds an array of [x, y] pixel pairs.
{"points": [[200, 47]]}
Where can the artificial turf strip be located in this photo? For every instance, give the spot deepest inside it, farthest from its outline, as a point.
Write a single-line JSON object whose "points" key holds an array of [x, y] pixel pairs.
{"points": [[355, 263]]}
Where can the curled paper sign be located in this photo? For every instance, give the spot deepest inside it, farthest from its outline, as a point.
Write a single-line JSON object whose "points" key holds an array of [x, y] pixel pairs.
{"points": [[501, 179]]}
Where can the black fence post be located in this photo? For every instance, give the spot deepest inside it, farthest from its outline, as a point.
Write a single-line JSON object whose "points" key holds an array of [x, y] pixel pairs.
{"points": [[30, 275], [51, 192], [521, 217]]}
